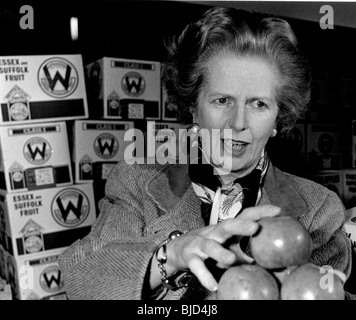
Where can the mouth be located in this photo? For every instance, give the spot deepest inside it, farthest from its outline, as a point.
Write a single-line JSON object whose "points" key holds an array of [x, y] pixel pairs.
{"points": [[234, 146]]}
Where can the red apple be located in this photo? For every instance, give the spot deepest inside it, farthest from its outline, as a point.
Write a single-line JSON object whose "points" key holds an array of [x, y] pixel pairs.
{"points": [[281, 274], [247, 282], [281, 242], [310, 282]]}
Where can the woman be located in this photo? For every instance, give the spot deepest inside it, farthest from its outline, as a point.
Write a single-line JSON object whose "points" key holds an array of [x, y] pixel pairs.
{"points": [[163, 229]]}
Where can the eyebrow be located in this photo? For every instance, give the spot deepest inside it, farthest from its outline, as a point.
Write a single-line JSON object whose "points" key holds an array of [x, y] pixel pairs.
{"points": [[265, 98], [217, 94]]}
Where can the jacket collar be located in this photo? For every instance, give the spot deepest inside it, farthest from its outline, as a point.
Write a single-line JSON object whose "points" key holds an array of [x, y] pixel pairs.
{"points": [[282, 192], [168, 188]]}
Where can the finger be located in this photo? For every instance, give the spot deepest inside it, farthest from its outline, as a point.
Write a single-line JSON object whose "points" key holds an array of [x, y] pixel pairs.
{"points": [[241, 257], [233, 227], [259, 212], [198, 267], [223, 257]]}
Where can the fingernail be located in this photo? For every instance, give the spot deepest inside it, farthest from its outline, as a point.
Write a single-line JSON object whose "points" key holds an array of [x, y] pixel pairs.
{"points": [[274, 209], [214, 288]]}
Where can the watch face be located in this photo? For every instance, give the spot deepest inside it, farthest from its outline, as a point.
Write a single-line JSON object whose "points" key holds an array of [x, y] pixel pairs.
{"points": [[184, 279]]}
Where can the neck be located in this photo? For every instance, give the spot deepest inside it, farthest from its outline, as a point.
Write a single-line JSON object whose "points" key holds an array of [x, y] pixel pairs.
{"points": [[228, 178]]}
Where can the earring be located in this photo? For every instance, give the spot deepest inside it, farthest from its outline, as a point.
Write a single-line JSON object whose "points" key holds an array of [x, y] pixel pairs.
{"points": [[274, 132], [195, 128]]}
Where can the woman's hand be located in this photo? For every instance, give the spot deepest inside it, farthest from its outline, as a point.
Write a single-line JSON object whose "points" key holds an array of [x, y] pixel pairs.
{"points": [[189, 251]]}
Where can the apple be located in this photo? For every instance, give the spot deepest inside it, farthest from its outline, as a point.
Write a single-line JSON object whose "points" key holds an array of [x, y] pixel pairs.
{"points": [[280, 242], [247, 282], [281, 274], [310, 282]]}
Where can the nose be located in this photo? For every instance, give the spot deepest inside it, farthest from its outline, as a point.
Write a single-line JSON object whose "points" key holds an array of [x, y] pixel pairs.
{"points": [[238, 118]]}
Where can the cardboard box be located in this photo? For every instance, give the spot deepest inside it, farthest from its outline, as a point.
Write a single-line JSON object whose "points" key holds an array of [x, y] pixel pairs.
{"points": [[34, 156], [46, 219], [163, 139], [124, 89], [324, 138], [350, 225], [42, 88], [36, 278], [317, 161], [349, 187], [351, 232], [324, 146], [97, 147]]}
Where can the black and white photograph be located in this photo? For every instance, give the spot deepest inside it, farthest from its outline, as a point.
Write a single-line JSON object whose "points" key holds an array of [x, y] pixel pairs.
{"points": [[191, 151]]}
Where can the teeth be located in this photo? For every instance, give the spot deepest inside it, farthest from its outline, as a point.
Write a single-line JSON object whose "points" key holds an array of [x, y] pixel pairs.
{"points": [[233, 145]]}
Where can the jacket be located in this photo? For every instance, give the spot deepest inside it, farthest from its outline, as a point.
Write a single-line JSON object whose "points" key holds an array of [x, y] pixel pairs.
{"points": [[143, 204]]}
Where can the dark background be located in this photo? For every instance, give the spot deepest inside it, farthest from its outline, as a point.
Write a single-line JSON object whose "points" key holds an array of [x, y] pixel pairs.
{"points": [[136, 29]]}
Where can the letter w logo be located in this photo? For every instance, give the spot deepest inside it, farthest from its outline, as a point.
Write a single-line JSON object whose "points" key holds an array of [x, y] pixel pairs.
{"points": [[33, 153], [70, 207], [58, 77], [133, 83], [106, 145], [53, 278]]}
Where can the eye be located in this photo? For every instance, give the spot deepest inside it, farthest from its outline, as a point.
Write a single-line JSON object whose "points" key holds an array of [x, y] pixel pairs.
{"points": [[260, 104], [222, 101]]}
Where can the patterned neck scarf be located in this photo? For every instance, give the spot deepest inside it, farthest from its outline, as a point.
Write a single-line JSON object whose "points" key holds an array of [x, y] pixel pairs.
{"points": [[222, 202]]}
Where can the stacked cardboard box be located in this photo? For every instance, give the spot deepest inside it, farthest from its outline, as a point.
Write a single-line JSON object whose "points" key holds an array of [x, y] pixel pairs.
{"points": [[124, 89], [349, 187], [34, 156], [36, 278], [350, 226], [163, 139], [129, 91], [97, 146], [43, 223], [42, 210], [42, 89], [324, 146], [55, 159]]}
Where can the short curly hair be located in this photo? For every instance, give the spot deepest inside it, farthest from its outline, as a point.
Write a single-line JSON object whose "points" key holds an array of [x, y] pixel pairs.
{"points": [[245, 34]]}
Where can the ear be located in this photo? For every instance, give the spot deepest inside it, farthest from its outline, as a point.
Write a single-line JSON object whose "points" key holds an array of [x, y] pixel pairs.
{"points": [[193, 111]]}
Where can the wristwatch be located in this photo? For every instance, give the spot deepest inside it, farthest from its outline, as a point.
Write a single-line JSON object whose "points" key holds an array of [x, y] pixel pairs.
{"points": [[178, 279]]}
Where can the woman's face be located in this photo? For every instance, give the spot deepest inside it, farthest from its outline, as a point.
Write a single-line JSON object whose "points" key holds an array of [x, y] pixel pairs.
{"points": [[238, 94]]}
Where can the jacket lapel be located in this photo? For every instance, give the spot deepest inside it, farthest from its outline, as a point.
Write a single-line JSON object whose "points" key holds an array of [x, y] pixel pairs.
{"points": [[168, 188], [172, 191], [282, 192], [173, 186]]}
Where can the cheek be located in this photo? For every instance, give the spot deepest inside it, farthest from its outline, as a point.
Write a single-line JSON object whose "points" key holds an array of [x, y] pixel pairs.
{"points": [[209, 120], [262, 133]]}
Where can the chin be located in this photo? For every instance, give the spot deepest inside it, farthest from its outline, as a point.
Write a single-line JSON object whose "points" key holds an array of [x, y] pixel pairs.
{"points": [[229, 167]]}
